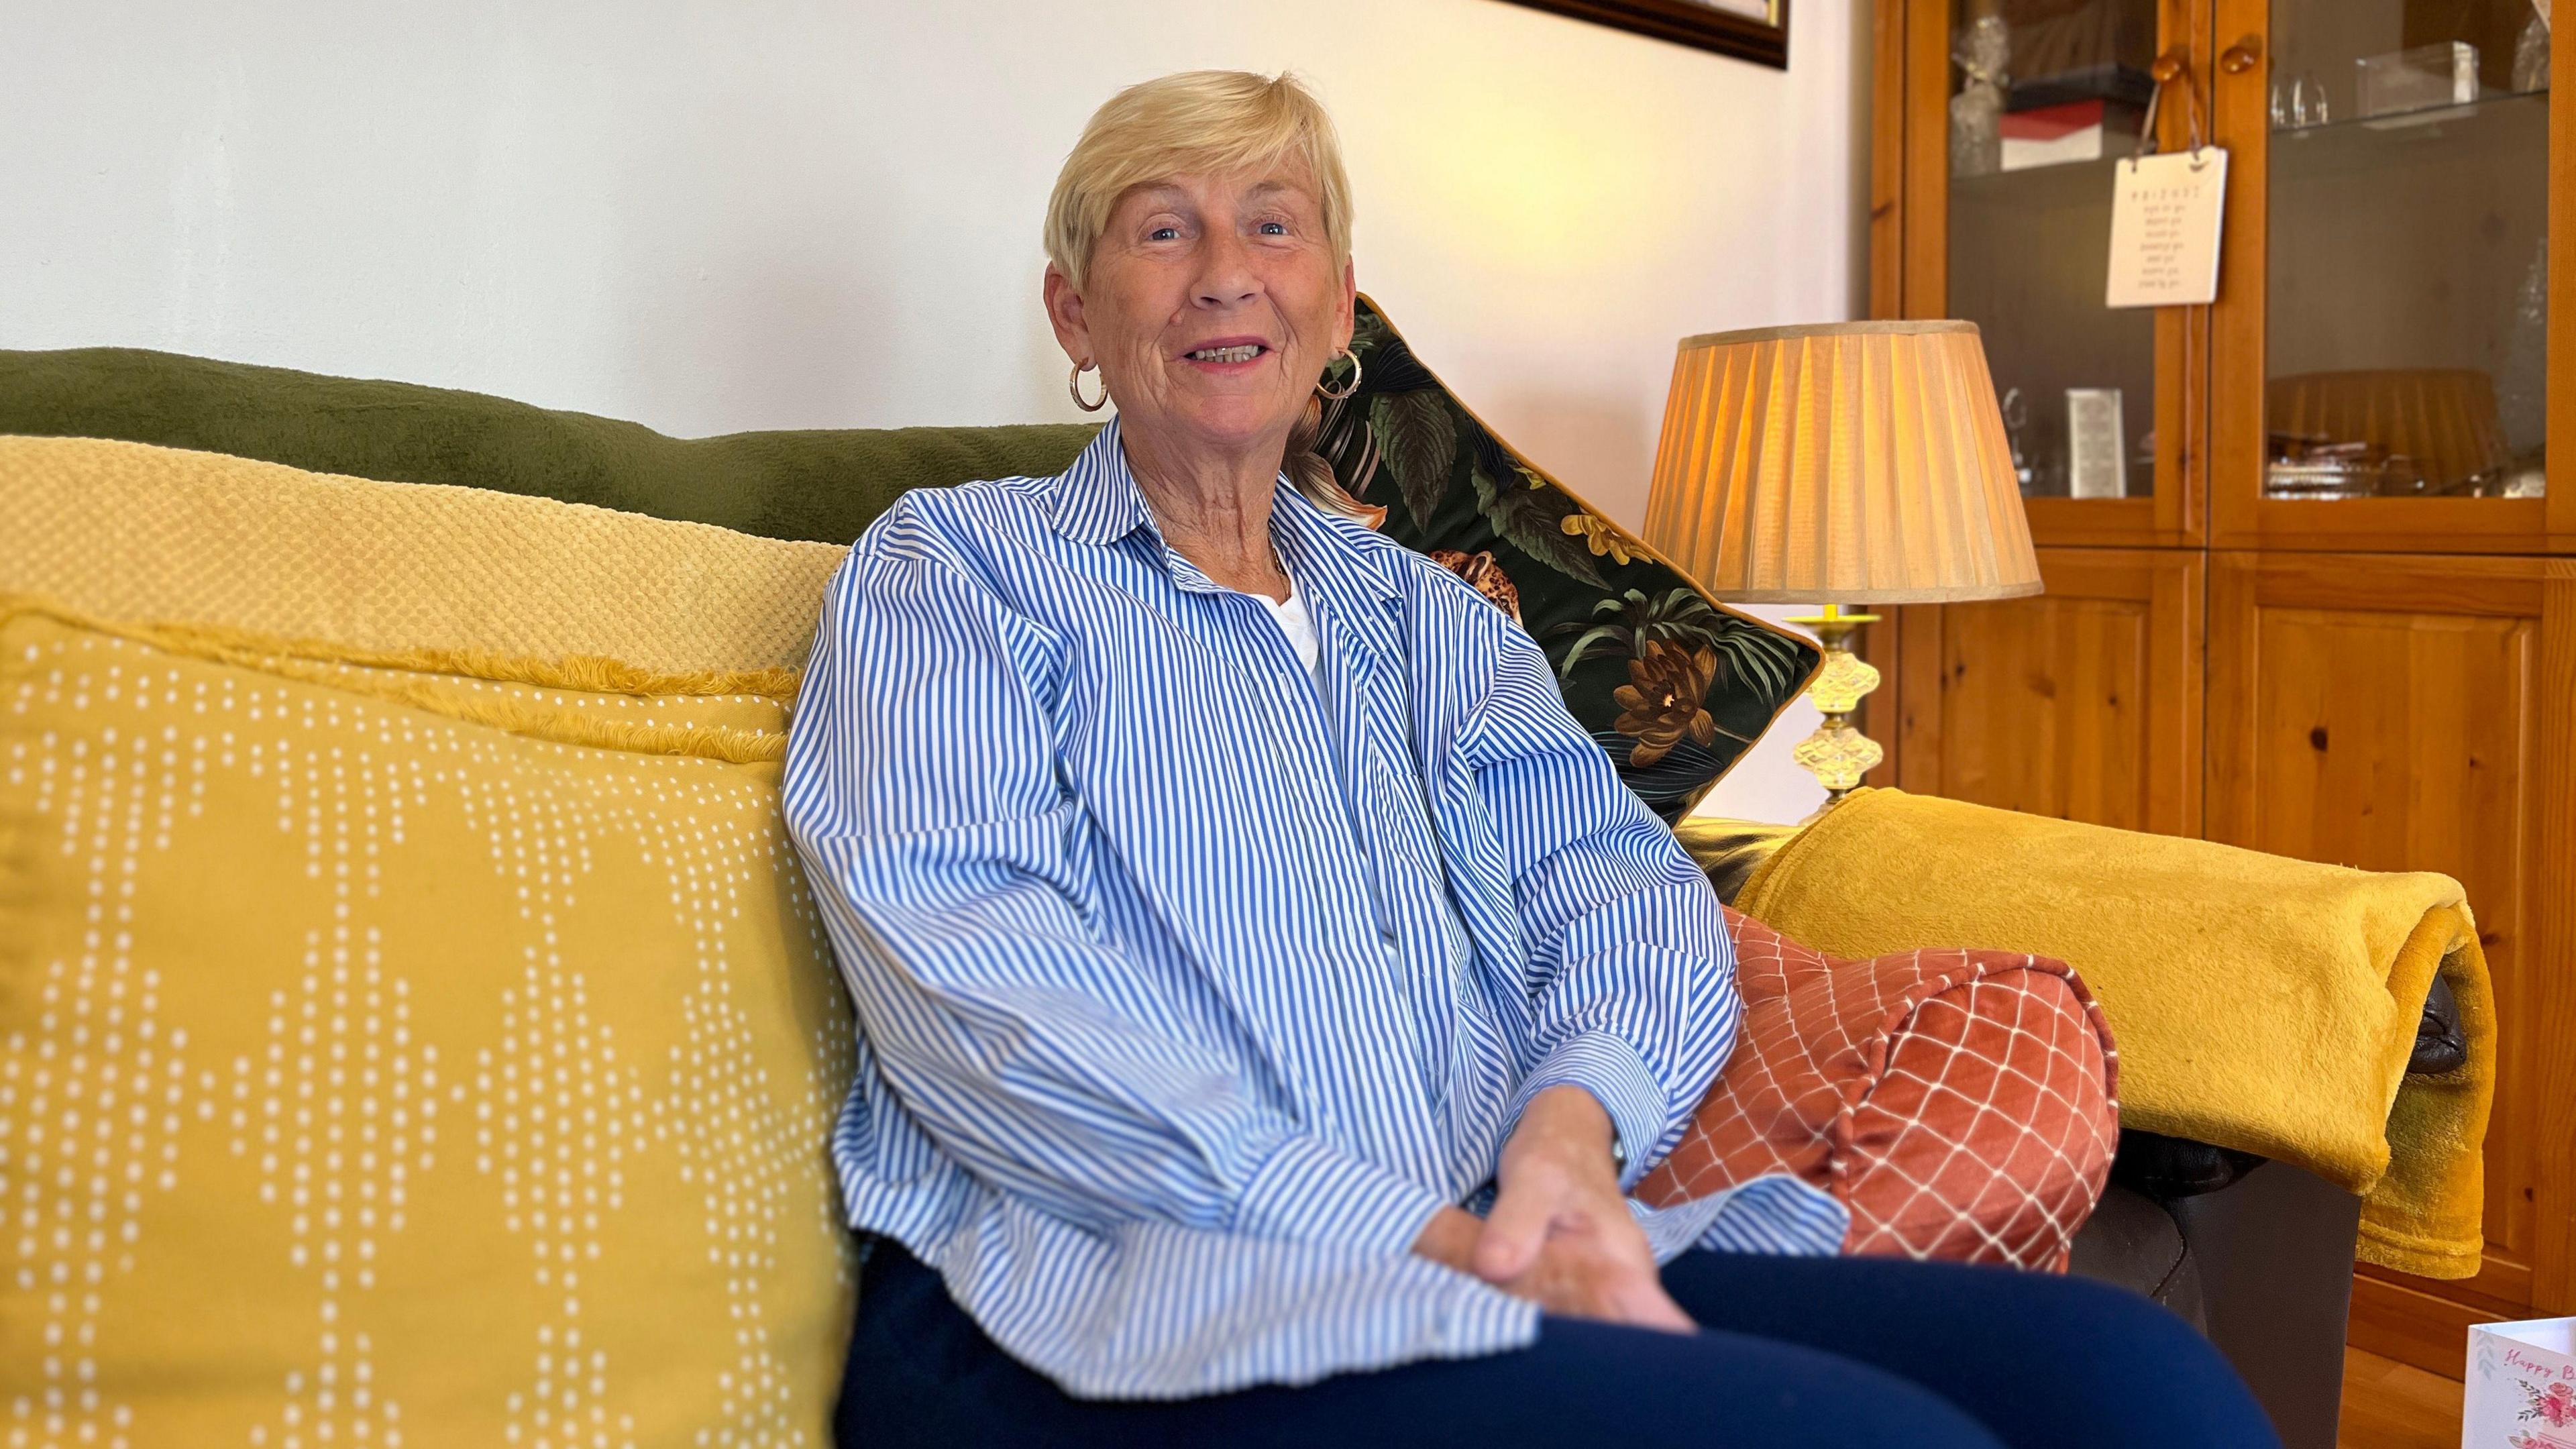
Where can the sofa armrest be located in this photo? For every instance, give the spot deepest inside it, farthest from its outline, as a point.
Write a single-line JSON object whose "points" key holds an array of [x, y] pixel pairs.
{"points": [[2167, 1167], [1730, 849], [2171, 1168], [2441, 1044], [2270, 1251]]}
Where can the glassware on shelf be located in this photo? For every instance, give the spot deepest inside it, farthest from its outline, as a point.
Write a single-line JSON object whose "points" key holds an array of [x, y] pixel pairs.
{"points": [[2325, 480], [2416, 79], [2522, 401], [2313, 468], [2531, 51], [2016, 410], [2303, 104], [1976, 112]]}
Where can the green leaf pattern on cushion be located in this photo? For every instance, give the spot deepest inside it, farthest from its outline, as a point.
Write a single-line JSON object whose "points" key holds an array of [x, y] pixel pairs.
{"points": [[1419, 441], [1673, 684], [1532, 517]]}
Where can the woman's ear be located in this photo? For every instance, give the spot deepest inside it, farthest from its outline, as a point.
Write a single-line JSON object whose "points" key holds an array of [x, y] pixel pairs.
{"points": [[1346, 317], [1065, 313]]}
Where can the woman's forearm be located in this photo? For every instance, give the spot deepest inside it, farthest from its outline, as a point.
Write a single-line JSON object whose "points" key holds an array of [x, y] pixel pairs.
{"points": [[1564, 1124], [1567, 1123]]}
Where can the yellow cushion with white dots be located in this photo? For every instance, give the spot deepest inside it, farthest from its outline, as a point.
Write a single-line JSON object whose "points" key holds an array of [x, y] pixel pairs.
{"points": [[405, 1045]]}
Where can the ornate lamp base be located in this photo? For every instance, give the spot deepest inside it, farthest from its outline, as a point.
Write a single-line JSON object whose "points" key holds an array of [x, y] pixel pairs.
{"points": [[1838, 754]]}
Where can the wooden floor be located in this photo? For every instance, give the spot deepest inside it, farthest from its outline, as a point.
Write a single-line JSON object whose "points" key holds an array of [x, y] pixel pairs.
{"points": [[2390, 1405]]}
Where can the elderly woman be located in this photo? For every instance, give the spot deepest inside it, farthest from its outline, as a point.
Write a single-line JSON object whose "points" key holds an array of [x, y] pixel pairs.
{"points": [[1262, 979]]}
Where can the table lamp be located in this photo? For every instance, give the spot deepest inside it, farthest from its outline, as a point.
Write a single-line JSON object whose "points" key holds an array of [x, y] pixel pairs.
{"points": [[1839, 464]]}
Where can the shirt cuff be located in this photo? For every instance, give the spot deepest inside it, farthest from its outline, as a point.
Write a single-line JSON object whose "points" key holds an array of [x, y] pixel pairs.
{"points": [[1310, 1191], [1616, 1076]]}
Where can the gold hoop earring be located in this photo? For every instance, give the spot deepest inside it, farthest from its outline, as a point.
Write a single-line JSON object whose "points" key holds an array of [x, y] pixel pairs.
{"points": [[1073, 385], [1353, 386]]}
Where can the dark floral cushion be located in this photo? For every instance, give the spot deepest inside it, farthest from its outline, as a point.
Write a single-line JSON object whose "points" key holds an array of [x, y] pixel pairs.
{"points": [[1672, 683]]}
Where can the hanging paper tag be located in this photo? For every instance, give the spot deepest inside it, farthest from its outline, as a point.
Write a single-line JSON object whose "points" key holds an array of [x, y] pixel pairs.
{"points": [[2164, 229]]}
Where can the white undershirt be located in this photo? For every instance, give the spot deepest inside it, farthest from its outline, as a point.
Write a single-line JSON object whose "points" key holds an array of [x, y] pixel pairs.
{"points": [[1300, 629], [1299, 626]]}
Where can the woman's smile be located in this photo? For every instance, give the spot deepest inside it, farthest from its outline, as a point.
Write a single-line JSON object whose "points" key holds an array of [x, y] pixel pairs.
{"points": [[1228, 356]]}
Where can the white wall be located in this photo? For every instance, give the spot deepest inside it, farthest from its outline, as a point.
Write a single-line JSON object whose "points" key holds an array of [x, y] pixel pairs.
{"points": [[823, 213]]}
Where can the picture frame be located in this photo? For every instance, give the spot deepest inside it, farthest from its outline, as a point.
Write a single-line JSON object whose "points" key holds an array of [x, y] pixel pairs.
{"points": [[1754, 30], [2097, 445]]}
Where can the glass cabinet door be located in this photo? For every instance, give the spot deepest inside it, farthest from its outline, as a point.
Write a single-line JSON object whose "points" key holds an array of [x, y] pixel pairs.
{"points": [[2392, 389], [2044, 99]]}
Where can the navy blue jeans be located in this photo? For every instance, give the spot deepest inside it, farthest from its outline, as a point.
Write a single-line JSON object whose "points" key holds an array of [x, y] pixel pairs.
{"points": [[1851, 1353]]}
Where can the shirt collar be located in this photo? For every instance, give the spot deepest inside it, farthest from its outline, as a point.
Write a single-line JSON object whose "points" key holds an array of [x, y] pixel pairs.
{"points": [[1097, 501], [1321, 545]]}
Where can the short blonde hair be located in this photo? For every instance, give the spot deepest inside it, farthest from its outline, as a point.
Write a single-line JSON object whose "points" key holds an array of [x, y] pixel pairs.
{"points": [[1206, 121]]}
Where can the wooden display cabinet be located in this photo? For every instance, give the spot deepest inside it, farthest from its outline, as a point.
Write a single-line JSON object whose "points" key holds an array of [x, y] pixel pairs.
{"points": [[2418, 712], [2083, 702], [2332, 614]]}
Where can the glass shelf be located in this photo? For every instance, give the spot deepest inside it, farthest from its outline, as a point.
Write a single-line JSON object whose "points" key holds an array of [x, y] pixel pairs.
{"points": [[2483, 107]]}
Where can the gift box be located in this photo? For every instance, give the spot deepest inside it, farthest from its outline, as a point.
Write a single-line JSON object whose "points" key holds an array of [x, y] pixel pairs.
{"points": [[2075, 131], [2521, 1390]]}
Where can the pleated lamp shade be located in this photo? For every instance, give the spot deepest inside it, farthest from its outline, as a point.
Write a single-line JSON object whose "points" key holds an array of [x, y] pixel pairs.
{"points": [[1850, 463]]}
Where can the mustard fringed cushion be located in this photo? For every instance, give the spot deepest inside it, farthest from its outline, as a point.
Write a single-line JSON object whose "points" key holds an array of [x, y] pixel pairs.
{"points": [[131, 532], [405, 1041]]}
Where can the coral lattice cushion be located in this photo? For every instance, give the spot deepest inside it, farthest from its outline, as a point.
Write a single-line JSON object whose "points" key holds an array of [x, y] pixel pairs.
{"points": [[1963, 1104]]}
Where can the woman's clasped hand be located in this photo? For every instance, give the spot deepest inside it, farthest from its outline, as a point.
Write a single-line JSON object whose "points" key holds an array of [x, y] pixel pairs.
{"points": [[1560, 1233]]}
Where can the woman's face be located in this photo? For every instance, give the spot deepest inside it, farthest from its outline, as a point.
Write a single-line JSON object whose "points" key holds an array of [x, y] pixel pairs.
{"points": [[1212, 306]]}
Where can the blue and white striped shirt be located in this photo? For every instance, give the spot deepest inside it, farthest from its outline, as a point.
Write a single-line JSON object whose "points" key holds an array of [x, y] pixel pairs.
{"points": [[1188, 992]]}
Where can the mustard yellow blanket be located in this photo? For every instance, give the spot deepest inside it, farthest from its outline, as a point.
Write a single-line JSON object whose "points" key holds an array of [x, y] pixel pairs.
{"points": [[2260, 1003]]}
